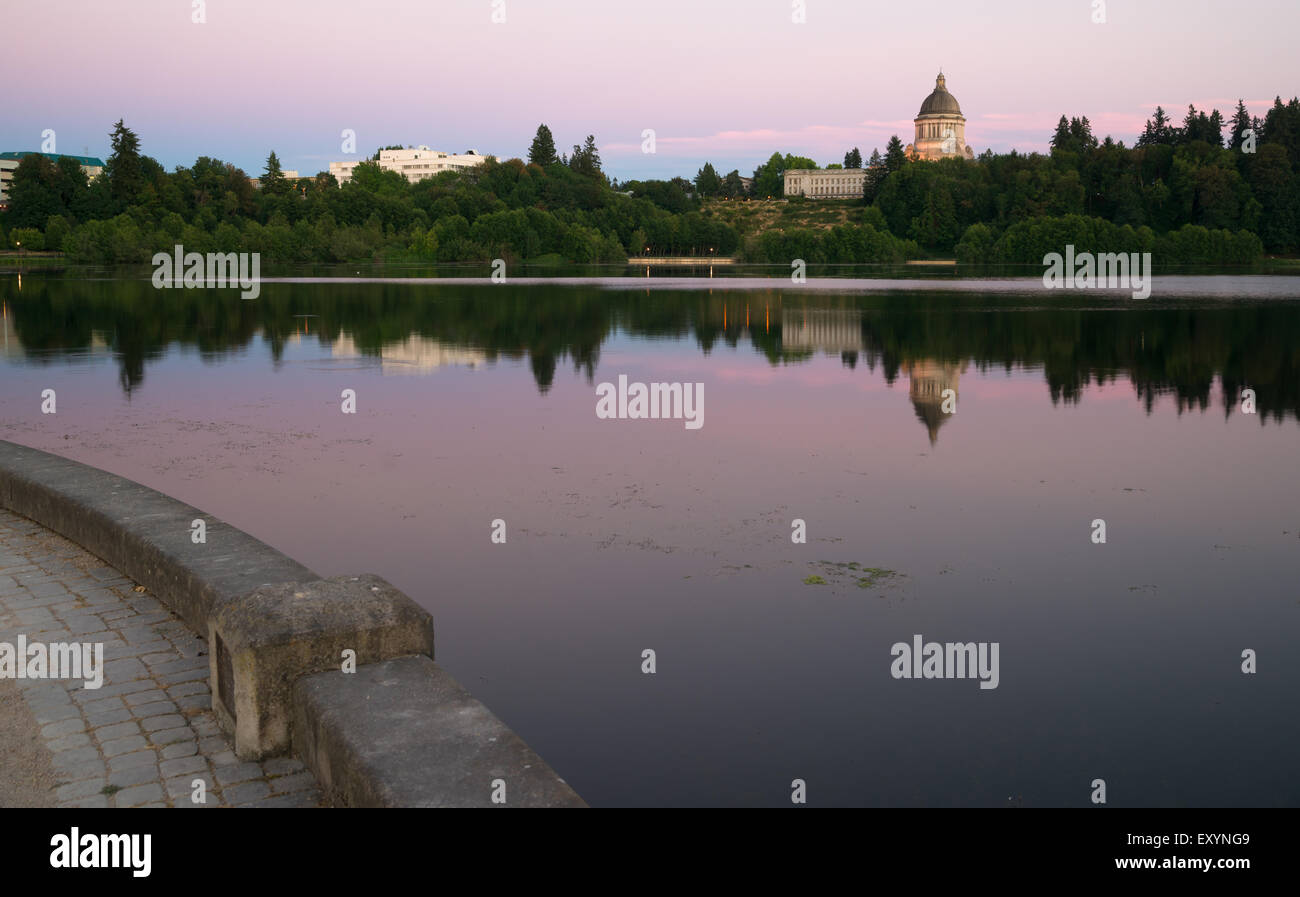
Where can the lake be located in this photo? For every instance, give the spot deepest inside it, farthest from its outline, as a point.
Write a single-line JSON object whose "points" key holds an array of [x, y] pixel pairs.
{"points": [[824, 403]]}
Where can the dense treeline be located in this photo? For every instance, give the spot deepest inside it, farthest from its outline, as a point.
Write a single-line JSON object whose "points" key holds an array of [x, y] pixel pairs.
{"points": [[1189, 194], [563, 210], [1180, 182], [1026, 242]]}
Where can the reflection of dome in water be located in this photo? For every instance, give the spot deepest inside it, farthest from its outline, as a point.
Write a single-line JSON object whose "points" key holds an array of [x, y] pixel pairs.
{"points": [[927, 380]]}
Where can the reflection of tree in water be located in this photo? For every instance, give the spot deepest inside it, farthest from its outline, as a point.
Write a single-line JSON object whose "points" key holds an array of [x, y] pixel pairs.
{"points": [[1163, 351]]}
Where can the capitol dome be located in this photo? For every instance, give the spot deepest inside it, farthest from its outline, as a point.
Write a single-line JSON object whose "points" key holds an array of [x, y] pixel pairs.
{"points": [[940, 102], [940, 127]]}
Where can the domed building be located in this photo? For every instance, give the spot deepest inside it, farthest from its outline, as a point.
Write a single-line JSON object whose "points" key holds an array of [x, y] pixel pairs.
{"points": [[940, 134], [940, 126]]}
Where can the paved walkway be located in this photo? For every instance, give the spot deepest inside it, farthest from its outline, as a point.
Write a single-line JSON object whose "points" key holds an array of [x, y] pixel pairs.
{"points": [[148, 733]]}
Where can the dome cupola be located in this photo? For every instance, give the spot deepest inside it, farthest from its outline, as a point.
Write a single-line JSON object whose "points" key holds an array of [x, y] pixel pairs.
{"points": [[940, 102]]}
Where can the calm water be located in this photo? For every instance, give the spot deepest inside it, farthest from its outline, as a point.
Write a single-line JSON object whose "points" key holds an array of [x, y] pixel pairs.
{"points": [[1119, 661]]}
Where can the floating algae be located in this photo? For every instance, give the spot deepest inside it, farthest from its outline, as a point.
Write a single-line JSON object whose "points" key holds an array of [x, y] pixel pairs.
{"points": [[863, 576], [874, 575]]}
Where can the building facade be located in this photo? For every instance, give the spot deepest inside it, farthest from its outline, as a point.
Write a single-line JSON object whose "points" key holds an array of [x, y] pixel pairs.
{"points": [[940, 127], [825, 183], [413, 164], [940, 134], [91, 165]]}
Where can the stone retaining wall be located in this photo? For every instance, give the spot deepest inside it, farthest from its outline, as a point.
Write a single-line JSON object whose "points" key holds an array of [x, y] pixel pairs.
{"points": [[340, 670]]}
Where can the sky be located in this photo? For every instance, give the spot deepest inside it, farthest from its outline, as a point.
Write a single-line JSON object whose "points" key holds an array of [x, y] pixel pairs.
{"points": [[726, 81]]}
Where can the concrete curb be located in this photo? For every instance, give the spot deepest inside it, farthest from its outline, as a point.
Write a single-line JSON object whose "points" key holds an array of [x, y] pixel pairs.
{"points": [[399, 731], [142, 533], [344, 729]]}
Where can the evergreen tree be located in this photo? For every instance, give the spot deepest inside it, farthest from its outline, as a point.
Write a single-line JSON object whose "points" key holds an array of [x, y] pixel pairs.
{"points": [[853, 158], [1074, 136], [1199, 126], [1214, 132], [707, 182], [1061, 139], [586, 158], [1240, 124], [1282, 126], [874, 176], [542, 152], [1081, 133], [895, 155], [124, 170], [1158, 130], [273, 181]]}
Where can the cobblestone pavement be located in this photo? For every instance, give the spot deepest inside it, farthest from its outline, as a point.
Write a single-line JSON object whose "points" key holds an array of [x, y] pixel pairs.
{"points": [[145, 736]]}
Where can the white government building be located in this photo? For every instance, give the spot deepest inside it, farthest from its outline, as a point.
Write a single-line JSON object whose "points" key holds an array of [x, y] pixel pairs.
{"points": [[940, 134], [414, 164]]}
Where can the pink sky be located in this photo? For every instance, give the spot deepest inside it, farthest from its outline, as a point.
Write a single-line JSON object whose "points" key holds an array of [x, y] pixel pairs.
{"points": [[723, 80]]}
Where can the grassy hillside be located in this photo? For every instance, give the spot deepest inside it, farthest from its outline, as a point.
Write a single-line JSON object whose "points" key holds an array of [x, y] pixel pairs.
{"points": [[757, 216]]}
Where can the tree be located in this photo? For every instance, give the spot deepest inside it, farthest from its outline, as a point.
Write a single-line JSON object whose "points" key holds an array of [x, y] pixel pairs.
{"points": [[1240, 124], [542, 152], [874, 176], [1282, 126], [936, 227], [273, 181], [28, 238], [1074, 136], [56, 232], [732, 185], [1061, 139], [1199, 126], [71, 185], [1158, 130], [586, 159], [767, 177], [369, 177], [33, 194], [124, 170], [1274, 185], [895, 155], [853, 158], [707, 182]]}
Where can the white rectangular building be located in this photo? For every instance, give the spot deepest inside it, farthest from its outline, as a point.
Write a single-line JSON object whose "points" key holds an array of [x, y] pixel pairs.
{"points": [[413, 164], [826, 183]]}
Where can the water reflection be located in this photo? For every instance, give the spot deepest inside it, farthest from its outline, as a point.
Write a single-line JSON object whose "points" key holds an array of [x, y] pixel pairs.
{"points": [[932, 387], [631, 535], [1191, 350], [413, 355]]}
